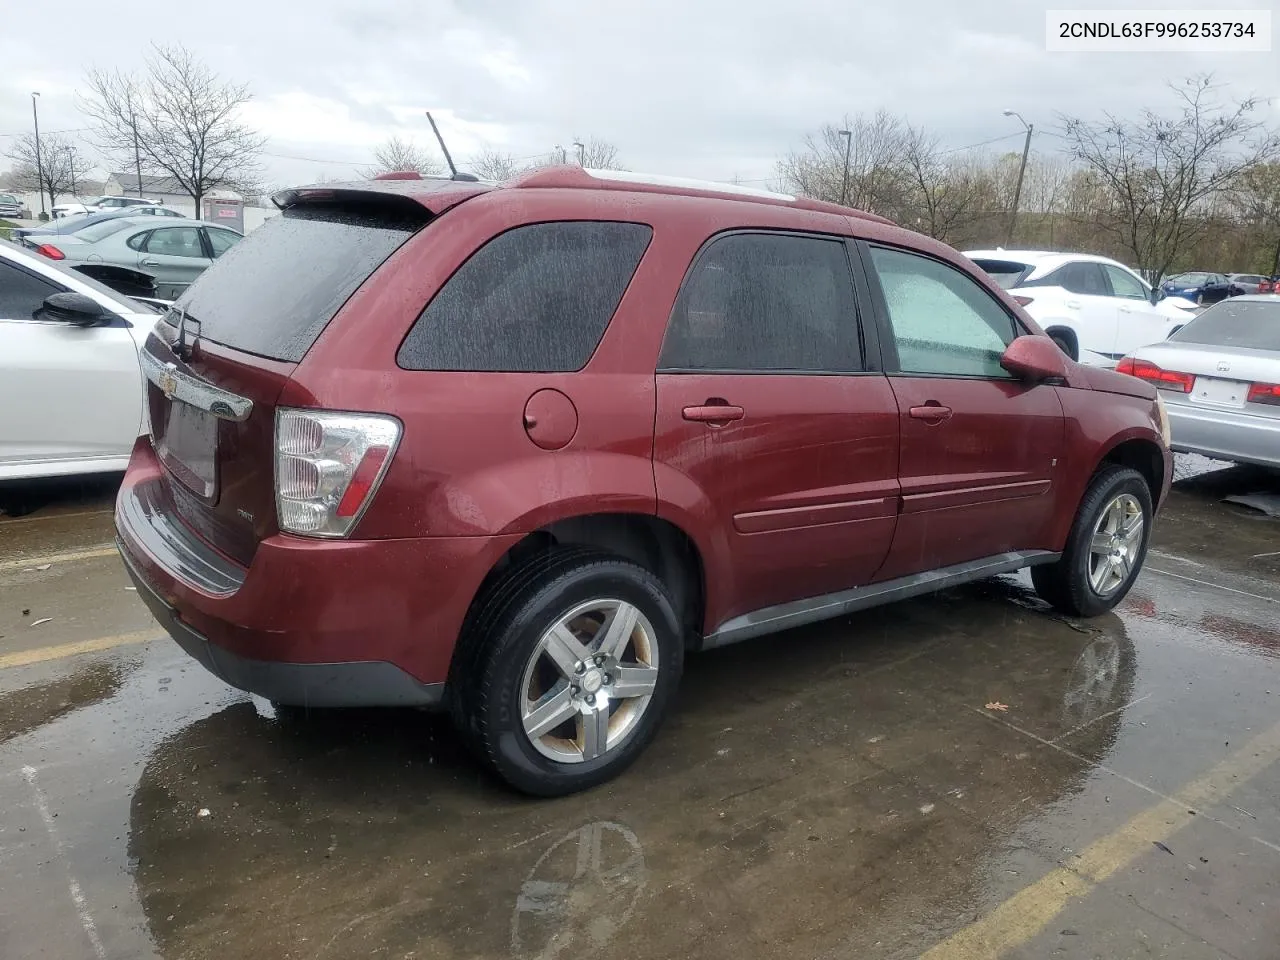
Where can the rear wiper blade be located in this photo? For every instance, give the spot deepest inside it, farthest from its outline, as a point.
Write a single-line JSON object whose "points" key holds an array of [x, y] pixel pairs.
{"points": [[181, 349]]}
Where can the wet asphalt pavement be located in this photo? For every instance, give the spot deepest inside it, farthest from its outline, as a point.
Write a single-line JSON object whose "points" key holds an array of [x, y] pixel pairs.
{"points": [[963, 776]]}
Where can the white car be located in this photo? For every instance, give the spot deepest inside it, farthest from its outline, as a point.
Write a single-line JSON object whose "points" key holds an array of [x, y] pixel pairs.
{"points": [[71, 388], [100, 205], [1097, 310]]}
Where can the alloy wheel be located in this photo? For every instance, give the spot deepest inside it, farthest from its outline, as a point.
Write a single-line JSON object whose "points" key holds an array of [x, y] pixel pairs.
{"points": [[589, 681], [1117, 538]]}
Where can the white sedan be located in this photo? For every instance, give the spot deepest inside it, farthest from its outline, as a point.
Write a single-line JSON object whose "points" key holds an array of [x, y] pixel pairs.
{"points": [[71, 389], [1097, 310], [100, 205]]}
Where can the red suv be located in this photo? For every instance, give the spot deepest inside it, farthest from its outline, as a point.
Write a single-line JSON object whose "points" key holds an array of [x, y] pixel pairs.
{"points": [[515, 450]]}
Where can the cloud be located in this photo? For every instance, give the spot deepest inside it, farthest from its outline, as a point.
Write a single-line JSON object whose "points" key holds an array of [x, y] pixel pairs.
{"points": [[709, 89]]}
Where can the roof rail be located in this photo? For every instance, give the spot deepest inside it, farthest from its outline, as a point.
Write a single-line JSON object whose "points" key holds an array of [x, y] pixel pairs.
{"points": [[574, 177]]}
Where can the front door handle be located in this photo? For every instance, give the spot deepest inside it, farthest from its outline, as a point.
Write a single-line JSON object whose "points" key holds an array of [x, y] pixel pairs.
{"points": [[713, 413], [931, 412]]}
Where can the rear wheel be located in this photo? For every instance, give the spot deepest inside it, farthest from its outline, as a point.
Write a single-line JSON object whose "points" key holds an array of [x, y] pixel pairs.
{"points": [[1105, 549], [565, 674]]}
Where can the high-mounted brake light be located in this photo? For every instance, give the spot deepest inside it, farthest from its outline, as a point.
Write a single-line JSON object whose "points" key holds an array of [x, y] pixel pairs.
{"points": [[1163, 379], [50, 251], [1265, 393], [328, 468]]}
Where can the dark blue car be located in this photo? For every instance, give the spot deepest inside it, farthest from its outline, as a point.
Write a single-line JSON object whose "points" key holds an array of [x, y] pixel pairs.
{"points": [[1198, 287]]}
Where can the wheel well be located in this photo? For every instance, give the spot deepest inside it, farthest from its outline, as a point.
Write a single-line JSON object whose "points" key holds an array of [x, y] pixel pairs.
{"points": [[1143, 456], [659, 546], [1069, 336]]}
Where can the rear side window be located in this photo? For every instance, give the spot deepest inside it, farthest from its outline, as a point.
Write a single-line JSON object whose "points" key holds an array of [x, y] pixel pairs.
{"points": [[103, 229], [1235, 323], [536, 299], [766, 302], [273, 293]]}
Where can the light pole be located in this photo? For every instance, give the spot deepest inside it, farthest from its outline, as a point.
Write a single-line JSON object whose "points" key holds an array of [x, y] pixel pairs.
{"points": [[844, 181], [71, 169], [582, 148], [35, 119], [1022, 169]]}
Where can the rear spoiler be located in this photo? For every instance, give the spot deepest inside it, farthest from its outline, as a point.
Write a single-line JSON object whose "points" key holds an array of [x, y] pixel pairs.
{"points": [[399, 197]]}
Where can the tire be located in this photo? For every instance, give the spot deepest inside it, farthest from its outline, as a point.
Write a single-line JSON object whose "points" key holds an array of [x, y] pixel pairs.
{"points": [[513, 655], [1063, 344], [1073, 585]]}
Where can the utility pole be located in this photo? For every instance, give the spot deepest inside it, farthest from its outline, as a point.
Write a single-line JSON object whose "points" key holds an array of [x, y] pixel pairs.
{"points": [[35, 119], [581, 150], [137, 152], [844, 181], [1022, 169]]}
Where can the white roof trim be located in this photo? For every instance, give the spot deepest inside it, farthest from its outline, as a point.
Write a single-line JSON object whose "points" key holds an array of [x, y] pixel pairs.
{"points": [[686, 183]]}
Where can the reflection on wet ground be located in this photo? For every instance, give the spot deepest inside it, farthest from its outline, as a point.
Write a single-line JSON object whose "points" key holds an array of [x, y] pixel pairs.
{"points": [[869, 787]]}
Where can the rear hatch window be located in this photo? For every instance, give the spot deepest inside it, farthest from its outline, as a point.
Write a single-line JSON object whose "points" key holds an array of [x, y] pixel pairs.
{"points": [[273, 293], [1007, 273], [1235, 323]]}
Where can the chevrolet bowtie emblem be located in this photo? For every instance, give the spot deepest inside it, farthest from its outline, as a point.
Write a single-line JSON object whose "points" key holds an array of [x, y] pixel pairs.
{"points": [[167, 382]]}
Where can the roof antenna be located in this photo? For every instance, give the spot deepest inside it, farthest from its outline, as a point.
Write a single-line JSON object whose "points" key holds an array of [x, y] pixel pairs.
{"points": [[447, 159]]}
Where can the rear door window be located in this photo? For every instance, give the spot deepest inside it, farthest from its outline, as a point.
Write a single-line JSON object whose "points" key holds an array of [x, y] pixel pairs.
{"points": [[766, 302], [534, 299], [275, 291]]}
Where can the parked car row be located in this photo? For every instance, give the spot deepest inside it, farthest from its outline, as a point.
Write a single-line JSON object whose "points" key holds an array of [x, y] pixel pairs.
{"points": [[173, 251], [99, 204]]}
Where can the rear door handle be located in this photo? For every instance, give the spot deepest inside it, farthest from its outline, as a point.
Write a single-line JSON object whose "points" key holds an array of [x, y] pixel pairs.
{"points": [[1073, 304], [149, 263], [931, 413], [713, 413]]}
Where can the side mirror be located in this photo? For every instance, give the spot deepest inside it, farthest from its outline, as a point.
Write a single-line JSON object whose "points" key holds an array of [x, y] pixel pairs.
{"points": [[74, 308], [1156, 295], [1034, 359]]}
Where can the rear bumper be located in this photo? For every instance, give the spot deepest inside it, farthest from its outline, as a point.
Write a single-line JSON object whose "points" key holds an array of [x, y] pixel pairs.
{"points": [[309, 622], [354, 684], [1225, 434]]}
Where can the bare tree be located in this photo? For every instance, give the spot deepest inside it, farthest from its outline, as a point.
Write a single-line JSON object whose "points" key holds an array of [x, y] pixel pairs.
{"points": [[878, 172], [492, 165], [395, 155], [179, 119], [1161, 173], [597, 154], [1257, 200], [947, 194], [54, 175]]}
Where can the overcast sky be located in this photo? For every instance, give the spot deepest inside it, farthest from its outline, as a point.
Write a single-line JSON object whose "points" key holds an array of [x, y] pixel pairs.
{"points": [[704, 88]]}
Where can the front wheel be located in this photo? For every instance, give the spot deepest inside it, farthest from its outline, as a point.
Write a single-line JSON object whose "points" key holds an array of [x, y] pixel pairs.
{"points": [[565, 678], [1105, 549]]}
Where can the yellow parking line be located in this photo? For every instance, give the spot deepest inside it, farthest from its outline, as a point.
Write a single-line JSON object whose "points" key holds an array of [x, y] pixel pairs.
{"points": [[23, 658], [1031, 909], [103, 551]]}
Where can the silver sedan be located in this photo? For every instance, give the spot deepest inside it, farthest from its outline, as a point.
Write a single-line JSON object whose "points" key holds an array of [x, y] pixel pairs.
{"points": [[175, 252], [1219, 378]]}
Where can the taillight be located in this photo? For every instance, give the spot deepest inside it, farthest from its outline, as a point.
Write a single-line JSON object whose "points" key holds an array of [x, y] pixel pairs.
{"points": [[50, 251], [1163, 379], [1022, 301], [1265, 393], [328, 468]]}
